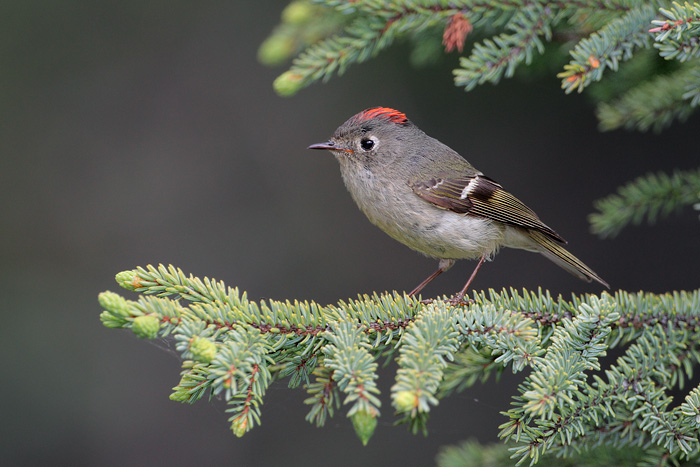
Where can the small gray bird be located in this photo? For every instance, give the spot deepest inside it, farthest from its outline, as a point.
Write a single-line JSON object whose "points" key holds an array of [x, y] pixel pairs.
{"points": [[428, 197]]}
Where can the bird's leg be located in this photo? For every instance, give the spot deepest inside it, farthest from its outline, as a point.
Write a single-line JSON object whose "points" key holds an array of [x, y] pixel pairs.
{"points": [[444, 265], [459, 298]]}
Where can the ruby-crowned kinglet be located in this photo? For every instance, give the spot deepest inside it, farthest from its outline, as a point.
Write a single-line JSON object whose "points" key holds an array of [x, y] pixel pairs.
{"points": [[428, 197]]}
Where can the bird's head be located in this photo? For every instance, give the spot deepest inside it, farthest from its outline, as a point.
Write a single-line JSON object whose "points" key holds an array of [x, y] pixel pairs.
{"points": [[373, 136]]}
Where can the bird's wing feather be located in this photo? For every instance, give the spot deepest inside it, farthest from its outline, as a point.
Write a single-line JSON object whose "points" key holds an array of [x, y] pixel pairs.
{"points": [[478, 195]]}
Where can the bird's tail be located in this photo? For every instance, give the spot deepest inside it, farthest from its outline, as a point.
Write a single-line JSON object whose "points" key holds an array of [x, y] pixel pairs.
{"points": [[556, 253]]}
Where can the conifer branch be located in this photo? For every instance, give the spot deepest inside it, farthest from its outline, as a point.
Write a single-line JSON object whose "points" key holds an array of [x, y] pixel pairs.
{"points": [[692, 90], [622, 408], [648, 197], [654, 104], [468, 367], [373, 29], [600, 35], [233, 348], [604, 49], [426, 346], [354, 372], [499, 56], [678, 36], [240, 372], [324, 400]]}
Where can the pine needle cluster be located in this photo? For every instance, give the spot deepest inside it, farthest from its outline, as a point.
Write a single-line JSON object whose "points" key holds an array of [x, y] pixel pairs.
{"points": [[648, 197], [233, 348], [573, 403], [327, 36]]}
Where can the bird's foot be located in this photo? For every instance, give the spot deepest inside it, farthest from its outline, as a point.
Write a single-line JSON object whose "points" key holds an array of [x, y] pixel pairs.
{"points": [[459, 300]]}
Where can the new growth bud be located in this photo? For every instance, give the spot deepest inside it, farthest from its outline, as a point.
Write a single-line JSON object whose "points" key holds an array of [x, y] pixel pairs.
{"points": [[128, 279], [114, 303], [288, 83], [364, 423], [146, 327], [203, 350]]}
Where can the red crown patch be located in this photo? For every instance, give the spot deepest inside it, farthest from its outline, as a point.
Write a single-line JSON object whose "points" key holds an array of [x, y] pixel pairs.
{"points": [[383, 112]]}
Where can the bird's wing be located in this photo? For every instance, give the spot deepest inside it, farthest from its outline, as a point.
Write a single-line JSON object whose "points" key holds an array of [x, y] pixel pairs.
{"points": [[478, 195]]}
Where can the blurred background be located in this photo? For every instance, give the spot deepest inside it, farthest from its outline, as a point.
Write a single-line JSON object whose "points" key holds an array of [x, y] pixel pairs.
{"points": [[147, 132]]}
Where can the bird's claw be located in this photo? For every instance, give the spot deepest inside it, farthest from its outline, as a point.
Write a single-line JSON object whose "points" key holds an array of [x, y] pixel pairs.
{"points": [[459, 300], [454, 301]]}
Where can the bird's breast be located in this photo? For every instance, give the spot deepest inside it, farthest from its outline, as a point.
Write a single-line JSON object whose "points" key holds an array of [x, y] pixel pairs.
{"points": [[393, 207]]}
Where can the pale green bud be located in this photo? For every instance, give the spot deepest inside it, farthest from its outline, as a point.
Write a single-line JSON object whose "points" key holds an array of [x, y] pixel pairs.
{"points": [[239, 425], [114, 303], [128, 279], [203, 350], [288, 83], [298, 12], [364, 423], [275, 50], [146, 327], [405, 401]]}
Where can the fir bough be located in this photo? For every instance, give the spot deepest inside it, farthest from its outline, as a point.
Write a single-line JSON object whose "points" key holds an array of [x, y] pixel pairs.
{"points": [[647, 197], [570, 401], [327, 36]]}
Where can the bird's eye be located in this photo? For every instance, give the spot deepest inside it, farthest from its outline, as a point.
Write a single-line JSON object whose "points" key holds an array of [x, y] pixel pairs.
{"points": [[367, 144]]}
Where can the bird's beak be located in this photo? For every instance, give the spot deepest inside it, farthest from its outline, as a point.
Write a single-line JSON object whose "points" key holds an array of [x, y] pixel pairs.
{"points": [[330, 145]]}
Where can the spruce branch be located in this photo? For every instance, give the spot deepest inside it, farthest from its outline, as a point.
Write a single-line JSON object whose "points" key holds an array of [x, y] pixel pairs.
{"points": [[330, 35], [649, 197], [234, 348], [468, 367], [626, 407], [678, 36], [630, 402], [240, 371], [194, 382], [472, 454], [303, 24], [604, 49], [576, 347], [373, 29], [511, 337], [654, 104], [692, 90], [324, 399], [354, 372], [426, 346], [498, 57]]}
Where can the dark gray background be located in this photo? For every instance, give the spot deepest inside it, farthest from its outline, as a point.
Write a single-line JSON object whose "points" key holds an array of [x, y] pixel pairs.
{"points": [[145, 132]]}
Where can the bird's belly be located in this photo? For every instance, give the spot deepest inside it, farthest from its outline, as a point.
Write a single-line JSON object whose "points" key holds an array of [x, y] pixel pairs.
{"points": [[441, 234], [420, 225]]}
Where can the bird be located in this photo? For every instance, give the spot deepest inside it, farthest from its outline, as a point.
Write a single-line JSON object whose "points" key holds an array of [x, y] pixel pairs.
{"points": [[425, 195]]}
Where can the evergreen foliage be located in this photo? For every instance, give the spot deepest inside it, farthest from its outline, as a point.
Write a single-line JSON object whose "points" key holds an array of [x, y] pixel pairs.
{"points": [[646, 197], [327, 36], [472, 454], [570, 401], [574, 407]]}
